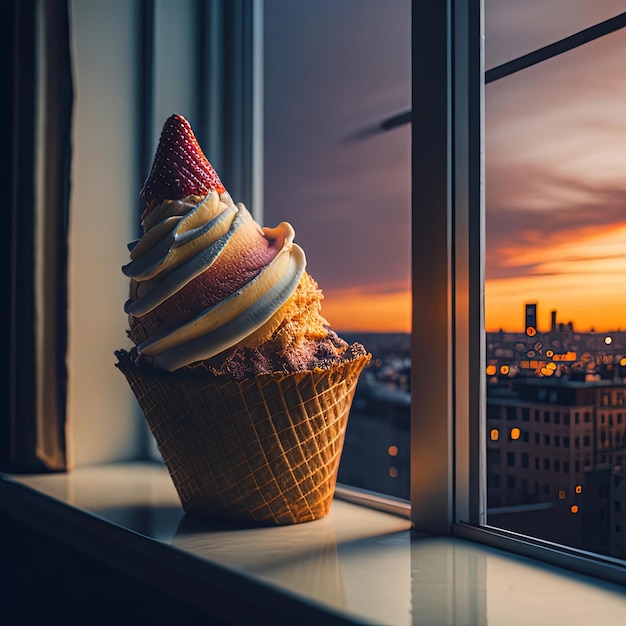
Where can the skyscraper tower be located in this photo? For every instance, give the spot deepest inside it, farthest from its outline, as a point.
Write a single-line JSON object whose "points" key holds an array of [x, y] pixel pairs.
{"points": [[530, 319]]}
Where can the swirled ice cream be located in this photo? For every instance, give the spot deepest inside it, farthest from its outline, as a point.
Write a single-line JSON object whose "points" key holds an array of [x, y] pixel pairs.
{"points": [[209, 287]]}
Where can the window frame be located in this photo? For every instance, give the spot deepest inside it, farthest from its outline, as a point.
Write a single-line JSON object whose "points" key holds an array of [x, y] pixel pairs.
{"points": [[448, 425], [448, 422], [448, 412]]}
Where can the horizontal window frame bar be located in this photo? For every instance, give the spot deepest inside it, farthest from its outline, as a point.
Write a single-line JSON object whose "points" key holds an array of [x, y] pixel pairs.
{"points": [[528, 60], [555, 49], [592, 564], [373, 500]]}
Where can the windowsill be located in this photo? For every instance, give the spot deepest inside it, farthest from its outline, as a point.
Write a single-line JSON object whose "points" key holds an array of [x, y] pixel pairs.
{"points": [[357, 565]]}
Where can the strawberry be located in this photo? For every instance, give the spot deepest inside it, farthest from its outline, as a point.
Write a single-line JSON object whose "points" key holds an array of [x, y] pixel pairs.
{"points": [[180, 168]]}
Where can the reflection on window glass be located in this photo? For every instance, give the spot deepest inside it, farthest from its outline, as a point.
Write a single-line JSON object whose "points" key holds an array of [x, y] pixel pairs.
{"points": [[555, 268], [334, 71]]}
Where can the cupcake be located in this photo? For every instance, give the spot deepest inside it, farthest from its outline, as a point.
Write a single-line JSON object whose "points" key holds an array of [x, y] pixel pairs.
{"points": [[244, 385]]}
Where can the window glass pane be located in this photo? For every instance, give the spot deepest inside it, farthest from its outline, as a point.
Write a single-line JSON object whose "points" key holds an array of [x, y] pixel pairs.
{"points": [[333, 72], [556, 264]]}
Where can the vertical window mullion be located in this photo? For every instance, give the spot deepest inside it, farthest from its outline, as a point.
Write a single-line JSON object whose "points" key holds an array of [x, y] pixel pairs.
{"points": [[469, 279], [448, 336], [431, 384], [246, 102]]}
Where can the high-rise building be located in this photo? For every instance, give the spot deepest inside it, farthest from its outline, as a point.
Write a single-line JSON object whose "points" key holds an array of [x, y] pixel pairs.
{"points": [[604, 502], [545, 439], [530, 319]]}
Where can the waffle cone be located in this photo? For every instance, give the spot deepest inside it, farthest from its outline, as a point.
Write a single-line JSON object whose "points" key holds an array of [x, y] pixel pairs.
{"points": [[265, 449]]}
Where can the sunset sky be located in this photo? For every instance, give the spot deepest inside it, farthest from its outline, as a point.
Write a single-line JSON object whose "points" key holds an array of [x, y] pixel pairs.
{"points": [[555, 169]]}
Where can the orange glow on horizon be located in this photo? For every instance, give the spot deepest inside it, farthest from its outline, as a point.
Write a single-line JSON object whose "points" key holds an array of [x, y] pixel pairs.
{"points": [[578, 278], [354, 310]]}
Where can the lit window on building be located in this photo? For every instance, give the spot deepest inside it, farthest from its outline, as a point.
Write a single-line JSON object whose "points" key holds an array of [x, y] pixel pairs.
{"points": [[574, 508], [579, 489], [515, 433], [561, 494], [491, 370], [494, 435]]}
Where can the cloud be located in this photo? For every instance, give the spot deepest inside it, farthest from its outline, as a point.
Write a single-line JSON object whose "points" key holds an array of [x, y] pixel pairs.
{"points": [[527, 218]]}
